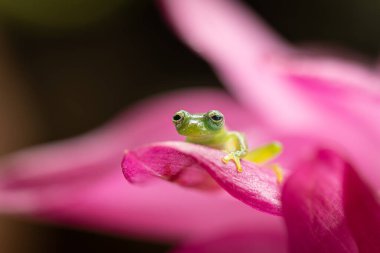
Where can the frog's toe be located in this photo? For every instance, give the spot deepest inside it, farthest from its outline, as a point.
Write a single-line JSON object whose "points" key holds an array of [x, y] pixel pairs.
{"points": [[227, 158], [236, 160]]}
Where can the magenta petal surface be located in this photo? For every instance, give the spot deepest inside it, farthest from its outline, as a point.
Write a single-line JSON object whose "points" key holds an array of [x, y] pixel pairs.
{"points": [[362, 209], [313, 206], [187, 164]]}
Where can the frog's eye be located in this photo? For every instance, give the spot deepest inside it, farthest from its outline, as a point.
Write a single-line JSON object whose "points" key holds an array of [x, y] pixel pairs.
{"points": [[216, 116], [178, 117]]}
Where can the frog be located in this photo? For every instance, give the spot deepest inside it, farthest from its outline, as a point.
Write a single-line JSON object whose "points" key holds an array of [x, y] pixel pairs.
{"points": [[209, 129]]}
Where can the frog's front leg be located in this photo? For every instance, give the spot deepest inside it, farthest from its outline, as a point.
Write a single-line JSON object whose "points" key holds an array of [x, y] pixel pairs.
{"points": [[235, 156], [236, 145]]}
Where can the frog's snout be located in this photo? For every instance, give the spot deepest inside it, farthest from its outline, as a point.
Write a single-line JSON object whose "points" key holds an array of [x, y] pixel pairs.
{"points": [[192, 128]]}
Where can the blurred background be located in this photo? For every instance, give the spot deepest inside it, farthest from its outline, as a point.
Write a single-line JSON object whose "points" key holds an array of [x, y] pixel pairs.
{"points": [[69, 66]]}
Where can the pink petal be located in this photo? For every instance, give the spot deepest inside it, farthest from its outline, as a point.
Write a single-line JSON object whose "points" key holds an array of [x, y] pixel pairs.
{"points": [[242, 50], [221, 30], [313, 206], [344, 114], [79, 181], [187, 164], [362, 209]]}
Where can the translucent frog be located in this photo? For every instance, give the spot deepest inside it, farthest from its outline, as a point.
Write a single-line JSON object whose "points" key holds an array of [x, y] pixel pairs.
{"points": [[209, 129]]}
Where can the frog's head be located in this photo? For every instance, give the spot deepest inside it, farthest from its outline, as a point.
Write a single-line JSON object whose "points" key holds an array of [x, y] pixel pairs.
{"points": [[198, 125]]}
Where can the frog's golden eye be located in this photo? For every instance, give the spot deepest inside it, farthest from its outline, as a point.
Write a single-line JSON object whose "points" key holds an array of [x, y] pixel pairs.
{"points": [[216, 116], [178, 117]]}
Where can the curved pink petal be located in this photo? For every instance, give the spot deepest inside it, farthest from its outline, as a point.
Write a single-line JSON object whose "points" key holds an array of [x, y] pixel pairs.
{"points": [[362, 209], [313, 206], [79, 181], [187, 164], [333, 99]]}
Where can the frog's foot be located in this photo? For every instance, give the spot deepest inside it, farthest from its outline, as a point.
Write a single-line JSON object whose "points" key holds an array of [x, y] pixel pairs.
{"points": [[278, 171], [235, 158]]}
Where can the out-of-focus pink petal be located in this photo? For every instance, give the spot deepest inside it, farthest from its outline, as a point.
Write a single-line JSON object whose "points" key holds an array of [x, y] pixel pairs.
{"points": [[312, 203], [79, 181], [187, 164], [258, 65], [333, 99], [345, 113], [221, 30], [261, 240], [241, 49], [362, 211]]}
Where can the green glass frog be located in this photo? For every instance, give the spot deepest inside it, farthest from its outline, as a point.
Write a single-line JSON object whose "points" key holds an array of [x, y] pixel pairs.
{"points": [[209, 129]]}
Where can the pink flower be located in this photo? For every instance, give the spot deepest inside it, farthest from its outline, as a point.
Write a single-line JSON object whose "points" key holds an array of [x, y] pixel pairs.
{"points": [[292, 94], [323, 110]]}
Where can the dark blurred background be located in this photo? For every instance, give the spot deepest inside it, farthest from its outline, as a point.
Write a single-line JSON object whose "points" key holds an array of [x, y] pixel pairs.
{"points": [[69, 66]]}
